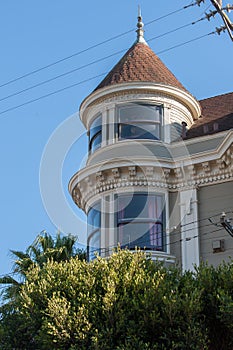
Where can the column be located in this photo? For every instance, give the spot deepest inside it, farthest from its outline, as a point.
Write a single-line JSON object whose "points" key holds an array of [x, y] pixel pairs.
{"points": [[111, 124], [166, 124], [112, 229], [104, 127]]}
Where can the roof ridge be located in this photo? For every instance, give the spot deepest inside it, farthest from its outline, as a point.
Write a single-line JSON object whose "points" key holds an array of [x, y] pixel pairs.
{"points": [[208, 98]]}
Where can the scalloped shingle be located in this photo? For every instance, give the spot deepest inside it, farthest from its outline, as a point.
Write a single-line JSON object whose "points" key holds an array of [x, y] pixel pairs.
{"points": [[140, 63]]}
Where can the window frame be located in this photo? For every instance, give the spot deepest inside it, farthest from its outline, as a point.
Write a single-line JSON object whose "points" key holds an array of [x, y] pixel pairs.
{"points": [[94, 230], [152, 222], [95, 135], [139, 123]]}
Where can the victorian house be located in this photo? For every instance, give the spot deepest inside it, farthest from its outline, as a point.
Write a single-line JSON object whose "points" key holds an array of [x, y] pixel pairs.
{"points": [[160, 165]]}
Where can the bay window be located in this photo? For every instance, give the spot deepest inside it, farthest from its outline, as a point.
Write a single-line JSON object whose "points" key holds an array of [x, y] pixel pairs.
{"points": [[140, 221]]}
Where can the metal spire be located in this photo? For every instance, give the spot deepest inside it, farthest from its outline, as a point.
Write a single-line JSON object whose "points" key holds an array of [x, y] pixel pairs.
{"points": [[140, 31]]}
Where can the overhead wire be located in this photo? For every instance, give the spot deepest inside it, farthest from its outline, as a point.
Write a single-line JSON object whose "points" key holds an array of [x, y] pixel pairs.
{"points": [[165, 235], [92, 47], [206, 218], [86, 80], [97, 61], [110, 248], [186, 42], [91, 78], [197, 222], [61, 75], [52, 93]]}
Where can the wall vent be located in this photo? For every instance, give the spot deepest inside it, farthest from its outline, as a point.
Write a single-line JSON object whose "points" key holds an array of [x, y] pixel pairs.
{"points": [[218, 246]]}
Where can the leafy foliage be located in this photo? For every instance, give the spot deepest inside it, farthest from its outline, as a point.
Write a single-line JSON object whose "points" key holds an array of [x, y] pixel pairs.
{"points": [[125, 302], [216, 285], [42, 250]]}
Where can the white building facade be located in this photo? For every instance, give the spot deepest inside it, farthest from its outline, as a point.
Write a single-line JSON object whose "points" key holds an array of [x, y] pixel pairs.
{"points": [[156, 177]]}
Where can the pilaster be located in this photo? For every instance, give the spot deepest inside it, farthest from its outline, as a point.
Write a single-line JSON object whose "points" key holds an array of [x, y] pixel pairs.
{"points": [[189, 229], [111, 124]]}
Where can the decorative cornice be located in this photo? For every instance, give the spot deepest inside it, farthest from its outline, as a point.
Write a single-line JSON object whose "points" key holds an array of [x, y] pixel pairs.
{"points": [[152, 178], [119, 92]]}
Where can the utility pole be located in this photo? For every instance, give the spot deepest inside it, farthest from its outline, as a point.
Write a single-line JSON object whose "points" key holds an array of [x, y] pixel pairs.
{"points": [[221, 10], [226, 223]]}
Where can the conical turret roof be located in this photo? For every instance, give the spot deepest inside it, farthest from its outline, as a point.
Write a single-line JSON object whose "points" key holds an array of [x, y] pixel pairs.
{"points": [[139, 64]]}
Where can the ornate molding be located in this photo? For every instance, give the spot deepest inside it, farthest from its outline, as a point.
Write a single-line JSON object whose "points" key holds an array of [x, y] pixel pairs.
{"points": [[116, 92], [117, 97], [153, 178]]}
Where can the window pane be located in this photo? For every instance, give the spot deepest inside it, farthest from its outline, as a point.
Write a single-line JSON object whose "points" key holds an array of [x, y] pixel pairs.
{"points": [[141, 206], [95, 137], [95, 131], [140, 121], [96, 142], [143, 235], [96, 126], [139, 131], [131, 207], [93, 218], [93, 245], [140, 221], [93, 230], [140, 112]]}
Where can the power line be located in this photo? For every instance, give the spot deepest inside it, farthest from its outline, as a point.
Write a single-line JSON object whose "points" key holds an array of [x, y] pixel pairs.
{"points": [[61, 75], [97, 76], [174, 233], [165, 235], [96, 61], [169, 14], [107, 250], [186, 42], [91, 47], [206, 218], [52, 93], [93, 249], [176, 29], [110, 248]]}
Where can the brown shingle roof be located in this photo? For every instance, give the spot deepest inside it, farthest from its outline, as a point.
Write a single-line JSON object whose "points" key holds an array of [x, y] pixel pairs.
{"points": [[217, 115], [140, 63]]}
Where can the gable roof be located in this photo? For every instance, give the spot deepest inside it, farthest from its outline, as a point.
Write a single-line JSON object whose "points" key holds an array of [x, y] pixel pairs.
{"points": [[140, 63], [217, 115]]}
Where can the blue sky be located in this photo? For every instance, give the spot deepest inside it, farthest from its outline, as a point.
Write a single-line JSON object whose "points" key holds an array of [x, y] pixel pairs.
{"points": [[43, 143]]}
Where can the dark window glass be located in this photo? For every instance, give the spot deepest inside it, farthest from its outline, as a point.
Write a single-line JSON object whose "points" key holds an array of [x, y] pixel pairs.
{"points": [[93, 231], [95, 136], [93, 245], [140, 221], [140, 121]]}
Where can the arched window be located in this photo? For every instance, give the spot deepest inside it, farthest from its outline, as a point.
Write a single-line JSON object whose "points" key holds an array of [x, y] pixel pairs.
{"points": [[93, 231], [139, 121], [95, 135], [140, 221]]}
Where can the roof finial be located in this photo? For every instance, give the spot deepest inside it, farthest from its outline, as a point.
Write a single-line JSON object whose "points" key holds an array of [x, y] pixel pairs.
{"points": [[139, 11], [140, 31]]}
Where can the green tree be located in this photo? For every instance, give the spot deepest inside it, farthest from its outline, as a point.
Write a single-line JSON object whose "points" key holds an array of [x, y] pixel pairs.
{"points": [[216, 286], [124, 302], [43, 249]]}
